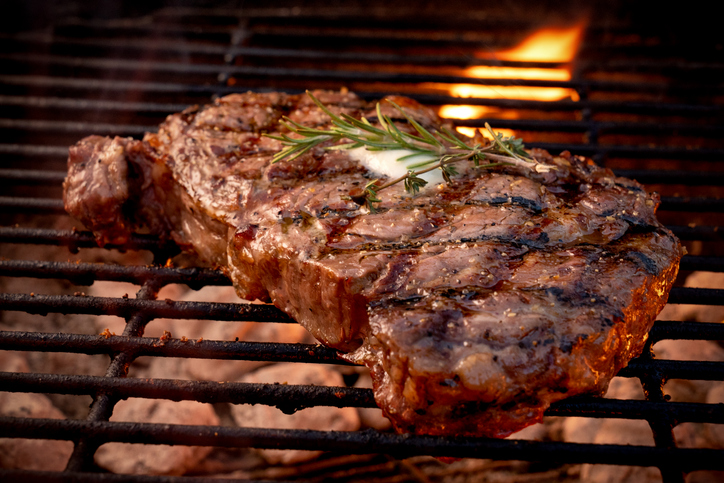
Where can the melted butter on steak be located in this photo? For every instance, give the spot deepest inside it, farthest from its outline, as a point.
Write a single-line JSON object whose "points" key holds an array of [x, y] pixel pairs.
{"points": [[389, 165], [475, 305]]}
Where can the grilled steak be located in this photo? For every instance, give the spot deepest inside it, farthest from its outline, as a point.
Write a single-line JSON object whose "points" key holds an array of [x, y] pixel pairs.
{"points": [[475, 304]]}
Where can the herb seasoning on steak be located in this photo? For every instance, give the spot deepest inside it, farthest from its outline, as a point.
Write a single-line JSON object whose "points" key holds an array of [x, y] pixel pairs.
{"points": [[475, 304]]}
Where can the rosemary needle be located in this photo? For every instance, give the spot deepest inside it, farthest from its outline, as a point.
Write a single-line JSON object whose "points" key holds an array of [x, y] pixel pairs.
{"points": [[442, 148]]}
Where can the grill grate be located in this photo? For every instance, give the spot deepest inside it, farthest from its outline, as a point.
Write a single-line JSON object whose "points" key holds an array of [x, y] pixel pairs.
{"points": [[645, 109]]}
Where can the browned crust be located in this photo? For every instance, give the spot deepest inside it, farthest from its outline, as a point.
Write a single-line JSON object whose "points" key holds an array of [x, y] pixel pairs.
{"points": [[206, 181], [514, 393]]}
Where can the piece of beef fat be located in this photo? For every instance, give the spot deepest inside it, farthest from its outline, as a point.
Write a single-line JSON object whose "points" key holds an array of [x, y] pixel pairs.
{"points": [[475, 304]]}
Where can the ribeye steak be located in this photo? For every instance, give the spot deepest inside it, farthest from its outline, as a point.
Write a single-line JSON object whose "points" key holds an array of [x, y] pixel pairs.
{"points": [[475, 304]]}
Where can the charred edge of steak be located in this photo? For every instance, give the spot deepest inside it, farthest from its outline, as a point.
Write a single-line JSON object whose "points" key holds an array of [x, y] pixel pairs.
{"points": [[529, 204]]}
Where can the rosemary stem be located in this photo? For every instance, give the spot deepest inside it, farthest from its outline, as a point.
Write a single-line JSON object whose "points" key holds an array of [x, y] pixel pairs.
{"points": [[395, 181], [509, 160], [442, 145], [463, 156]]}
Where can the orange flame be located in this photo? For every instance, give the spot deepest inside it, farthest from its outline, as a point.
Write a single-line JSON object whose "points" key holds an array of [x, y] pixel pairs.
{"points": [[547, 45]]}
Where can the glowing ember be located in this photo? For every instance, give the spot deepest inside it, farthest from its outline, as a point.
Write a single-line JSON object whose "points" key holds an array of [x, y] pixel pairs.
{"points": [[547, 45]]}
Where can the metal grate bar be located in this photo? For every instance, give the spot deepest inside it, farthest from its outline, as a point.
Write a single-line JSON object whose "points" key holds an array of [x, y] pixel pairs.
{"points": [[706, 264], [479, 37], [632, 409], [32, 205], [150, 346], [102, 407], [696, 370], [288, 398], [674, 176], [661, 368], [703, 233], [74, 127], [209, 33], [291, 398], [75, 240], [90, 104], [699, 296], [687, 203], [82, 304], [34, 150], [86, 84], [87, 273], [672, 329], [30, 176], [661, 424], [362, 442]]}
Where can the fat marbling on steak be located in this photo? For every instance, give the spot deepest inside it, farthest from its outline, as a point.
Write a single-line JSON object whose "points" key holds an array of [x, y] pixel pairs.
{"points": [[475, 304]]}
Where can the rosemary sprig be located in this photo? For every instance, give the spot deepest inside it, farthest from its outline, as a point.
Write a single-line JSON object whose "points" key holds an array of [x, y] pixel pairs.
{"points": [[439, 150]]}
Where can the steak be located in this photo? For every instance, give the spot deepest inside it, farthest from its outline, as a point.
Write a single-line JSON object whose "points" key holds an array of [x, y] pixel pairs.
{"points": [[475, 304]]}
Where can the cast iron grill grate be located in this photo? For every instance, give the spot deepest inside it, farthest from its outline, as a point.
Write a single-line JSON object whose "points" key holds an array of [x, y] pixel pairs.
{"points": [[649, 121]]}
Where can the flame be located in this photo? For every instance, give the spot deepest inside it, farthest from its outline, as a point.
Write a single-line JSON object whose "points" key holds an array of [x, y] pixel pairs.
{"points": [[547, 45]]}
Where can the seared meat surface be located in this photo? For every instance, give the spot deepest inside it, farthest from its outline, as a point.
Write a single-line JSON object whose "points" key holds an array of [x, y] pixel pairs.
{"points": [[475, 304]]}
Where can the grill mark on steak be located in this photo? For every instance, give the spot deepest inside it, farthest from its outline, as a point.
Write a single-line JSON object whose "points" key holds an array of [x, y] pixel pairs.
{"points": [[475, 305], [648, 264], [513, 201]]}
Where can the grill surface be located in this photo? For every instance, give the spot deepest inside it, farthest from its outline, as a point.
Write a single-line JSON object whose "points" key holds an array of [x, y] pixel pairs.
{"points": [[649, 108]]}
